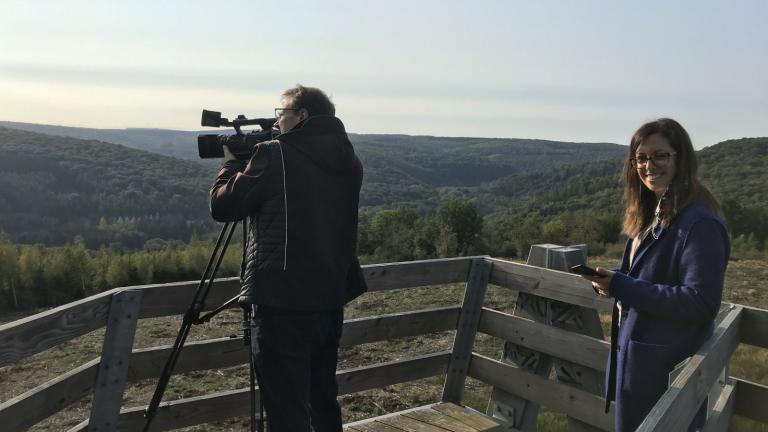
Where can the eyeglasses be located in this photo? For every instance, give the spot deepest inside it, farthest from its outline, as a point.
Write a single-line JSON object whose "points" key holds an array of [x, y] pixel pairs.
{"points": [[280, 111], [659, 160]]}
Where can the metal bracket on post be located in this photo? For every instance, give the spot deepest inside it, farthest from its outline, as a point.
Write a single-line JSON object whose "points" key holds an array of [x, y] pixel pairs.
{"points": [[472, 306], [115, 354]]}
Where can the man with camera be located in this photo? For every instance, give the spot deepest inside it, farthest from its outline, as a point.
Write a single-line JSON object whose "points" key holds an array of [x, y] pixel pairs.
{"points": [[300, 193]]}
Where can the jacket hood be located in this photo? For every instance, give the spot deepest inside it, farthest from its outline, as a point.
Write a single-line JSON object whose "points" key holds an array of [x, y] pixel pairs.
{"points": [[324, 140]]}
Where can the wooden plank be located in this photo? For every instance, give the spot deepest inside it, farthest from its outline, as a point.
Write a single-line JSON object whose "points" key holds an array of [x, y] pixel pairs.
{"points": [[573, 347], [31, 335], [409, 424], [384, 374], [235, 403], [33, 406], [754, 326], [375, 426], [751, 400], [474, 294], [722, 411], [393, 326], [185, 412], [198, 355], [36, 333], [679, 404], [553, 284], [469, 417], [176, 298], [45, 400], [573, 402], [369, 421], [416, 273], [115, 354], [438, 419]]}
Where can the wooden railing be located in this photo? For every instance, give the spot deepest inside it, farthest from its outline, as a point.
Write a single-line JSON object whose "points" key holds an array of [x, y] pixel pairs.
{"points": [[118, 310]]}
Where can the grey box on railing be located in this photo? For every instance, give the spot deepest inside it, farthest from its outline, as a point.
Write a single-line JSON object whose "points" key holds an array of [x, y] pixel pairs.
{"points": [[557, 257]]}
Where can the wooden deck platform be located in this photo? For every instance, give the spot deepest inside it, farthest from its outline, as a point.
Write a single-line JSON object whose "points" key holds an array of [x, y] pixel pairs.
{"points": [[439, 417]]}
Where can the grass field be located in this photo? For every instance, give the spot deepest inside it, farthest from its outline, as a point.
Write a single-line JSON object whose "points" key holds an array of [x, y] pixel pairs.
{"points": [[747, 283]]}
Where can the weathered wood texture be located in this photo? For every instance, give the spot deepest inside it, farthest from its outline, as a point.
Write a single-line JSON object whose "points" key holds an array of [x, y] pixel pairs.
{"points": [[751, 400], [416, 273], [754, 326], [552, 284], [185, 412], [393, 326], [439, 417], [722, 411], [474, 295], [575, 403], [115, 355], [29, 408], [573, 347], [224, 405], [45, 400], [384, 374], [37, 333], [565, 316], [679, 404]]}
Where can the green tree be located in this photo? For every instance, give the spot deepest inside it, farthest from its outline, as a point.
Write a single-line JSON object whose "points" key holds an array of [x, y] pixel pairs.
{"points": [[393, 232], [9, 272], [31, 265], [459, 219]]}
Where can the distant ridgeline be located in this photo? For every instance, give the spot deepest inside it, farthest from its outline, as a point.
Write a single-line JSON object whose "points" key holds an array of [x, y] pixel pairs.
{"points": [[56, 186]]}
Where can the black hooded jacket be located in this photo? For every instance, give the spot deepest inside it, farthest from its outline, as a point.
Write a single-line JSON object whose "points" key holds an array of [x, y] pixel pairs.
{"points": [[301, 194]]}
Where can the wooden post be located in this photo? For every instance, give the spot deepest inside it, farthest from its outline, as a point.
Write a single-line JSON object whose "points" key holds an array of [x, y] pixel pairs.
{"points": [[118, 342], [521, 413], [469, 319]]}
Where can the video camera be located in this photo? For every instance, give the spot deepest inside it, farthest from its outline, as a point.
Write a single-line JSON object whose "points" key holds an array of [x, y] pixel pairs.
{"points": [[240, 144]]}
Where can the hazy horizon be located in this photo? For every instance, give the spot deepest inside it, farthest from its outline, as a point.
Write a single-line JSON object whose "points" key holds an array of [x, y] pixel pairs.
{"points": [[566, 71]]}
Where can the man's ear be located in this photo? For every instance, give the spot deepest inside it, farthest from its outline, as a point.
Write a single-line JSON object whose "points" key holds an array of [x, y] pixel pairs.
{"points": [[303, 114]]}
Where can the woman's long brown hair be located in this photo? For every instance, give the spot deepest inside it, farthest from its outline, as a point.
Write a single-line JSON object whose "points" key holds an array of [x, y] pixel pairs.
{"points": [[684, 189]]}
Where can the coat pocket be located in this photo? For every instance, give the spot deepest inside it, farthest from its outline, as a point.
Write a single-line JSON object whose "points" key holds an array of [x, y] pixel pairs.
{"points": [[646, 368]]}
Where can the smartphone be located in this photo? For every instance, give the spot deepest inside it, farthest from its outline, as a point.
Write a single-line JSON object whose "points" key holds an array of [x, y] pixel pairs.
{"points": [[584, 270]]}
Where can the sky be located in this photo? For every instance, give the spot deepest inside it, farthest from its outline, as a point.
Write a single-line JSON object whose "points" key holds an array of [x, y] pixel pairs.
{"points": [[582, 71]]}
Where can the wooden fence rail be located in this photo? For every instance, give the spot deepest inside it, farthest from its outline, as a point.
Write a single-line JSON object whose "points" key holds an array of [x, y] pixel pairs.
{"points": [[736, 324]]}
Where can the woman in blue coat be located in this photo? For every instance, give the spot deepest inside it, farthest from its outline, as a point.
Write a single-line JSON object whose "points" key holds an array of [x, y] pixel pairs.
{"points": [[670, 283]]}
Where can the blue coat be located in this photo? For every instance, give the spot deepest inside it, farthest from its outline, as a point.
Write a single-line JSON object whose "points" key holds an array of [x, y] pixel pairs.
{"points": [[670, 296]]}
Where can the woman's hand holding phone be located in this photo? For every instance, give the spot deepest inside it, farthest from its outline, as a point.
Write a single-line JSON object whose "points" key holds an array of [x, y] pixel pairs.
{"points": [[600, 278]]}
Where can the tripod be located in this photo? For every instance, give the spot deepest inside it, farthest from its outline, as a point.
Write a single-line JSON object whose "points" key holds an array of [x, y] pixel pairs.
{"points": [[192, 317]]}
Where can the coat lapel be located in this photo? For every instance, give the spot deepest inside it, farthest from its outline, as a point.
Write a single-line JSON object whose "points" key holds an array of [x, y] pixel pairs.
{"points": [[645, 246]]}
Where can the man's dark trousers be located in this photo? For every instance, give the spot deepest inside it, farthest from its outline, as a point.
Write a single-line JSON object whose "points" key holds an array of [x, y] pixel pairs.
{"points": [[296, 361]]}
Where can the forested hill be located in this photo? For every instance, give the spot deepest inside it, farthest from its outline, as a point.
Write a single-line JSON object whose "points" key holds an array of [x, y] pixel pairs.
{"points": [[54, 189], [418, 170], [179, 144], [737, 170], [399, 169]]}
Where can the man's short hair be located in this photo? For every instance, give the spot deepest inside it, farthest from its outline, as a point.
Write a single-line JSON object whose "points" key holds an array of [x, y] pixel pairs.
{"points": [[312, 99]]}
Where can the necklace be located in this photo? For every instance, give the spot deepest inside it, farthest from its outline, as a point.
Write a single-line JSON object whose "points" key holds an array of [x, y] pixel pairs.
{"points": [[658, 216]]}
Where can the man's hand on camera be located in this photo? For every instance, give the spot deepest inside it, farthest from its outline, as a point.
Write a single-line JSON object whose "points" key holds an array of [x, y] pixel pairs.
{"points": [[228, 156]]}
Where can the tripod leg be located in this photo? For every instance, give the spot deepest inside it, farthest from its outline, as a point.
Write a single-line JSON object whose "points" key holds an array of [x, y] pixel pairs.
{"points": [[190, 317], [252, 330]]}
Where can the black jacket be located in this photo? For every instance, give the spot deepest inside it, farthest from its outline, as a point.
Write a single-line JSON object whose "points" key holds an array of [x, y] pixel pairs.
{"points": [[300, 193]]}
